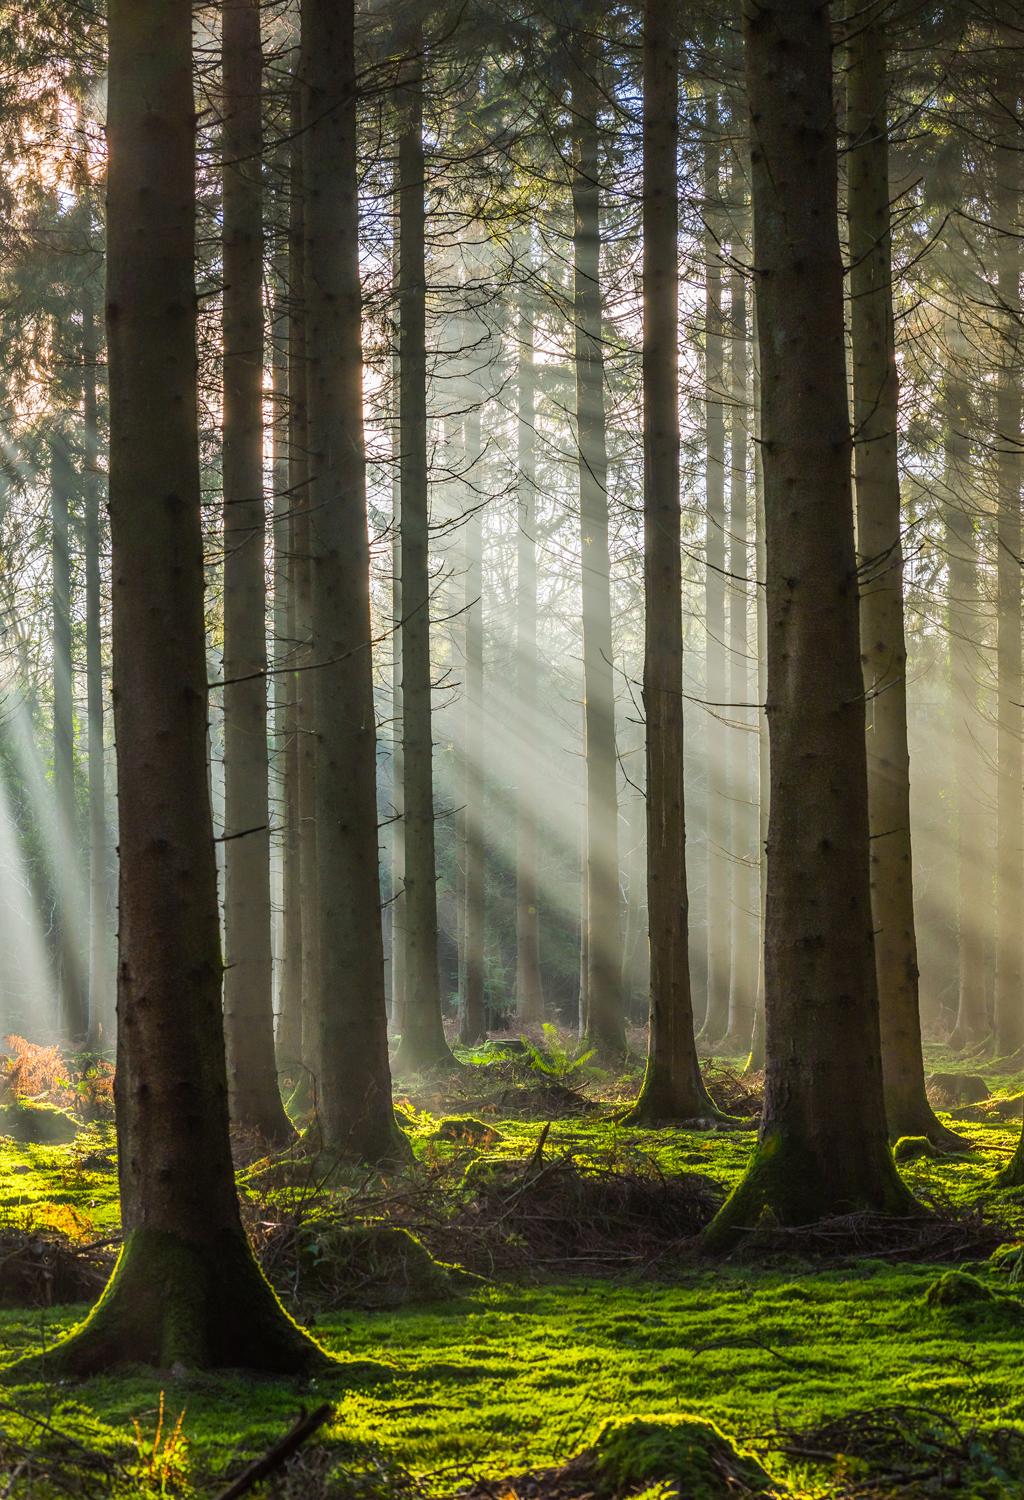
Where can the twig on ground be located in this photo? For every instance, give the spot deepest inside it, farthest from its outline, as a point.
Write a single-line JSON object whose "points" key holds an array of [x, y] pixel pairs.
{"points": [[279, 1453]]}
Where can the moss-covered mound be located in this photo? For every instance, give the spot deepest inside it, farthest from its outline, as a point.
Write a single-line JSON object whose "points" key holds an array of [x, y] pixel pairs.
{"points": [[688, 1450], [366, 1266], [956, 1289], [973, 1303], [911, 1147], [38, 1124]]}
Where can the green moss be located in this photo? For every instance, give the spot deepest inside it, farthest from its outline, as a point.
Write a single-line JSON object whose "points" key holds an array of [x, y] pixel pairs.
{"points": [[957, 1288], [911, 1147], [690, 1450], [40, 1124], [464, 1130], [373, 1265], [515, 1377]]}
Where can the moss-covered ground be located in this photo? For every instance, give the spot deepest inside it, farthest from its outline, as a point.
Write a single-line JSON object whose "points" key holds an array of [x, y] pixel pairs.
{"points": [[510, 1376]]}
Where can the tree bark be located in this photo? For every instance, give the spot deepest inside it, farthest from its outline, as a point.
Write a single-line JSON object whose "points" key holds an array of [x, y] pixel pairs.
{"points": [[289, 957], [286, 681], [584, 995], [72, 1007], [423, 1040], [1009, 1001], [823, 1145], [880, 563], [397, 716], [529, 989], [301, 590], [673, 1088], [716, 1019], [756, 1060], [605, 1029], [356, 1116], [99, 1028], [248, 966], [636, 873], [743, 808], [972, 1027], [473, 1020], [186, 1287]]}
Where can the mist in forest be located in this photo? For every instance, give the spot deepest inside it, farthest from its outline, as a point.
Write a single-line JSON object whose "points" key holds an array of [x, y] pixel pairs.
{"points": [[500, 259]]}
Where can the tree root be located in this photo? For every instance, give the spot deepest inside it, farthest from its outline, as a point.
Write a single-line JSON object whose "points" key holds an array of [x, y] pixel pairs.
{"points": [[172, 1302]]}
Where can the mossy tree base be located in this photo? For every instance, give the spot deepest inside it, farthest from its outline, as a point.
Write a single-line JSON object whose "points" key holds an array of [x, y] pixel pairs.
{"points": [[908, 1120], [787, 1184], [1012, 1175], [386, 1145], [171, 1301], [662, 1103], [416, 1057]]}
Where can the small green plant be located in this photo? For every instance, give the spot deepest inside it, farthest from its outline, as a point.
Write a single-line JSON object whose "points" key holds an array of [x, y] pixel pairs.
{"points": [[163, 1464]]}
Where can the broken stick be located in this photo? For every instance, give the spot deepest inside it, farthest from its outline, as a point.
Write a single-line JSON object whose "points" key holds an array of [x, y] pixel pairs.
{"points": [[282, 1450]]}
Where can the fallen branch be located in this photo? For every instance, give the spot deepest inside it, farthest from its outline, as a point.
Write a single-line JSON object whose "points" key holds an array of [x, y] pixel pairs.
{"points": [[279, 1453]]}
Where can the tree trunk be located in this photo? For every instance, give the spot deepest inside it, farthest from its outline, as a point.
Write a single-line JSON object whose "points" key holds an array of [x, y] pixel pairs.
{"points": [[636, 874], [605, 1029], [72, 1012], [756, 1060], [716, 1019], [1009, 1002], [880, 563], [397, 717], [972, 1026], [473, 1027], [584, 997], [356, 1116], [286, 681], [529, 990], [743, 809], [99, 1028], [289, 957], [673, 1088], [186, 1287], [301, 591], [248, 966], [823, 1145], [423, 1039]]}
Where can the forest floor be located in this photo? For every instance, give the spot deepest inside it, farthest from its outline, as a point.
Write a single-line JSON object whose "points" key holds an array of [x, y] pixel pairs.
{"points": [[581, 1297]]}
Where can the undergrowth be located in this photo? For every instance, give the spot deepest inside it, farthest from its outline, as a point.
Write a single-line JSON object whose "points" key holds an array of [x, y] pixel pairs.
{"points": [[581, 1297]]}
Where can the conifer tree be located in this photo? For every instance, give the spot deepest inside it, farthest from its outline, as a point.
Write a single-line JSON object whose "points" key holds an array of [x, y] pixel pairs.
{"points": [[186, 1287], [823, 1144]]}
